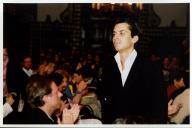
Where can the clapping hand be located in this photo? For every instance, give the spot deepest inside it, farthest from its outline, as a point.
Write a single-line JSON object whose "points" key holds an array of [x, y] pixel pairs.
{"points": [[173, 108], [10, 98], [69, 115]]}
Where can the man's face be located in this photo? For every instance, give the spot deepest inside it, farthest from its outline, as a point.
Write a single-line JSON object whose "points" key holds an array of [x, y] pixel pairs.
{"points": [[54, 99], [77, 78], [5, 57], [166, 61], [63, 84], [50, 68], [181, 83], [27, 63], [122, 39], [5, 62]]}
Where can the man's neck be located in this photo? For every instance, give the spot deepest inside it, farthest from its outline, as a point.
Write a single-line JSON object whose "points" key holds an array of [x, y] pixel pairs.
{"points": [[26, 68], [47, 110], [124, 55], [177, 86]]}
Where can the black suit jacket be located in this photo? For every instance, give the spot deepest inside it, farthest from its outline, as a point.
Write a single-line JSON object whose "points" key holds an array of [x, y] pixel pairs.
{"points": [[142, 95], [30, 116], [37, 116], [17, 81], [23, 81]]}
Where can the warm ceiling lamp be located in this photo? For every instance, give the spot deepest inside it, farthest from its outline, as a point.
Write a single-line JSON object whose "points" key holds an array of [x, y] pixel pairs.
{"points": [[111, 6]]}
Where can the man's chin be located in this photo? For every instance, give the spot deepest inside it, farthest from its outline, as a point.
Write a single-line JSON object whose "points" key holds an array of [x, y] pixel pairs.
{"points": [[118, 50], [59, 105]]}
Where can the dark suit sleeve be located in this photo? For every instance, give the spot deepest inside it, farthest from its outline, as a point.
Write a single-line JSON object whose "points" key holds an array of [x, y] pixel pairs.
{"points": [[159, 96], [107, 107]]}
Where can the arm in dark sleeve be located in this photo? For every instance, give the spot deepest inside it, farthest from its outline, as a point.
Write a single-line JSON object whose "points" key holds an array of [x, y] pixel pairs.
{"points": [[159, 96], [105, 96]]}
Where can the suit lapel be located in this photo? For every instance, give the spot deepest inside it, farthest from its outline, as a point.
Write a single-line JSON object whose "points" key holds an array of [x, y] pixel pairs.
{"points": [[133, 74], [117, 74]]}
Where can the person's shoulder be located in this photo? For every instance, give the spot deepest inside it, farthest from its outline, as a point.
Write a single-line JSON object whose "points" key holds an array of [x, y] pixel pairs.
{"points": [[146, 65], [143, 61], [186, 92], [37, 116], [108, 62], [35, 112]]}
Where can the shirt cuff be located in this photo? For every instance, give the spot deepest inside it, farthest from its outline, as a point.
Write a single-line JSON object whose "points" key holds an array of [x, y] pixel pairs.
{"points": [[7, 109]]}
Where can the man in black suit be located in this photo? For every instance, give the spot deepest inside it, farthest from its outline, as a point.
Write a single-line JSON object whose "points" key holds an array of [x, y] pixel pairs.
{"points": [[25, 73], [132, 86]]}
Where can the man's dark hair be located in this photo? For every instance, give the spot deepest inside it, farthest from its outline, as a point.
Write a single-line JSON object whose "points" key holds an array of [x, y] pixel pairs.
{"points": [[26, 56], [133, 25], [85, 71], [56, 77], [37, 87], [175, 75]]}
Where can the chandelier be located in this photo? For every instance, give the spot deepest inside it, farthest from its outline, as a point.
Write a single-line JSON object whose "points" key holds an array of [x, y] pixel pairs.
{"points": [[116, 6]]}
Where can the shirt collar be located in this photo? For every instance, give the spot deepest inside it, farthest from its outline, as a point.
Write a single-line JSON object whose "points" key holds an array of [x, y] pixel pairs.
{"points": [[131, 56], [28, 72], [47, 114]]}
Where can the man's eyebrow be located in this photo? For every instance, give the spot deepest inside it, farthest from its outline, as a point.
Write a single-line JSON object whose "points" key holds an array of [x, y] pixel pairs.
{"points": [[123, 30], [120, 31]]}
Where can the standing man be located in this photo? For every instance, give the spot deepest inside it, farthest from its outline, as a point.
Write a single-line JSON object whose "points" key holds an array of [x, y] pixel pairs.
{"points": [[132, 86]]}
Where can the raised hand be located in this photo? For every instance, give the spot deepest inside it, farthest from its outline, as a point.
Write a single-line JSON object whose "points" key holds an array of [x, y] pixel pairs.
{"points": [[69, 115], [173, 108]]}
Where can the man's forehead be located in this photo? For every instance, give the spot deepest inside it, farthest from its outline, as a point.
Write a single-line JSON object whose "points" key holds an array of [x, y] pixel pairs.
{"points": [[122, 26], [27, 59], [54, 86], [5, 51]]}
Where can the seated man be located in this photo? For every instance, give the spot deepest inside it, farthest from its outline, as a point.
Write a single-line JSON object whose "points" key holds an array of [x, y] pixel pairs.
{"points": [[44, 98]]}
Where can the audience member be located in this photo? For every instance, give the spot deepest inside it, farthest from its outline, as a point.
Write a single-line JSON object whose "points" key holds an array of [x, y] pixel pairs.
{"points": [[89, 99], [165, 69], [177, 83], [5, 62], [45, 98]]}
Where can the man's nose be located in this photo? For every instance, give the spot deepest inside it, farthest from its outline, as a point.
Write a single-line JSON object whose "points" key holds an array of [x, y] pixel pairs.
{"points": [[115, 37], [60, 94]]}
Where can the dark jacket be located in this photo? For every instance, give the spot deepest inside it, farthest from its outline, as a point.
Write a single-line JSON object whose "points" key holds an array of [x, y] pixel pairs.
{"points": [[30, 116], [142, 95], [37, 116]]}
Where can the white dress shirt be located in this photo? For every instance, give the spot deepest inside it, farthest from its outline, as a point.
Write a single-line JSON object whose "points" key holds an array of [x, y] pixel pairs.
{"points": [[7, 109], [128, 64], [28, 72]]}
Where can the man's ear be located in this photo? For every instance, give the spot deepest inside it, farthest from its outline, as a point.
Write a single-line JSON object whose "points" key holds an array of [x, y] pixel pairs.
{"points": [[45, 98], [135, 39], [175, 81]]}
